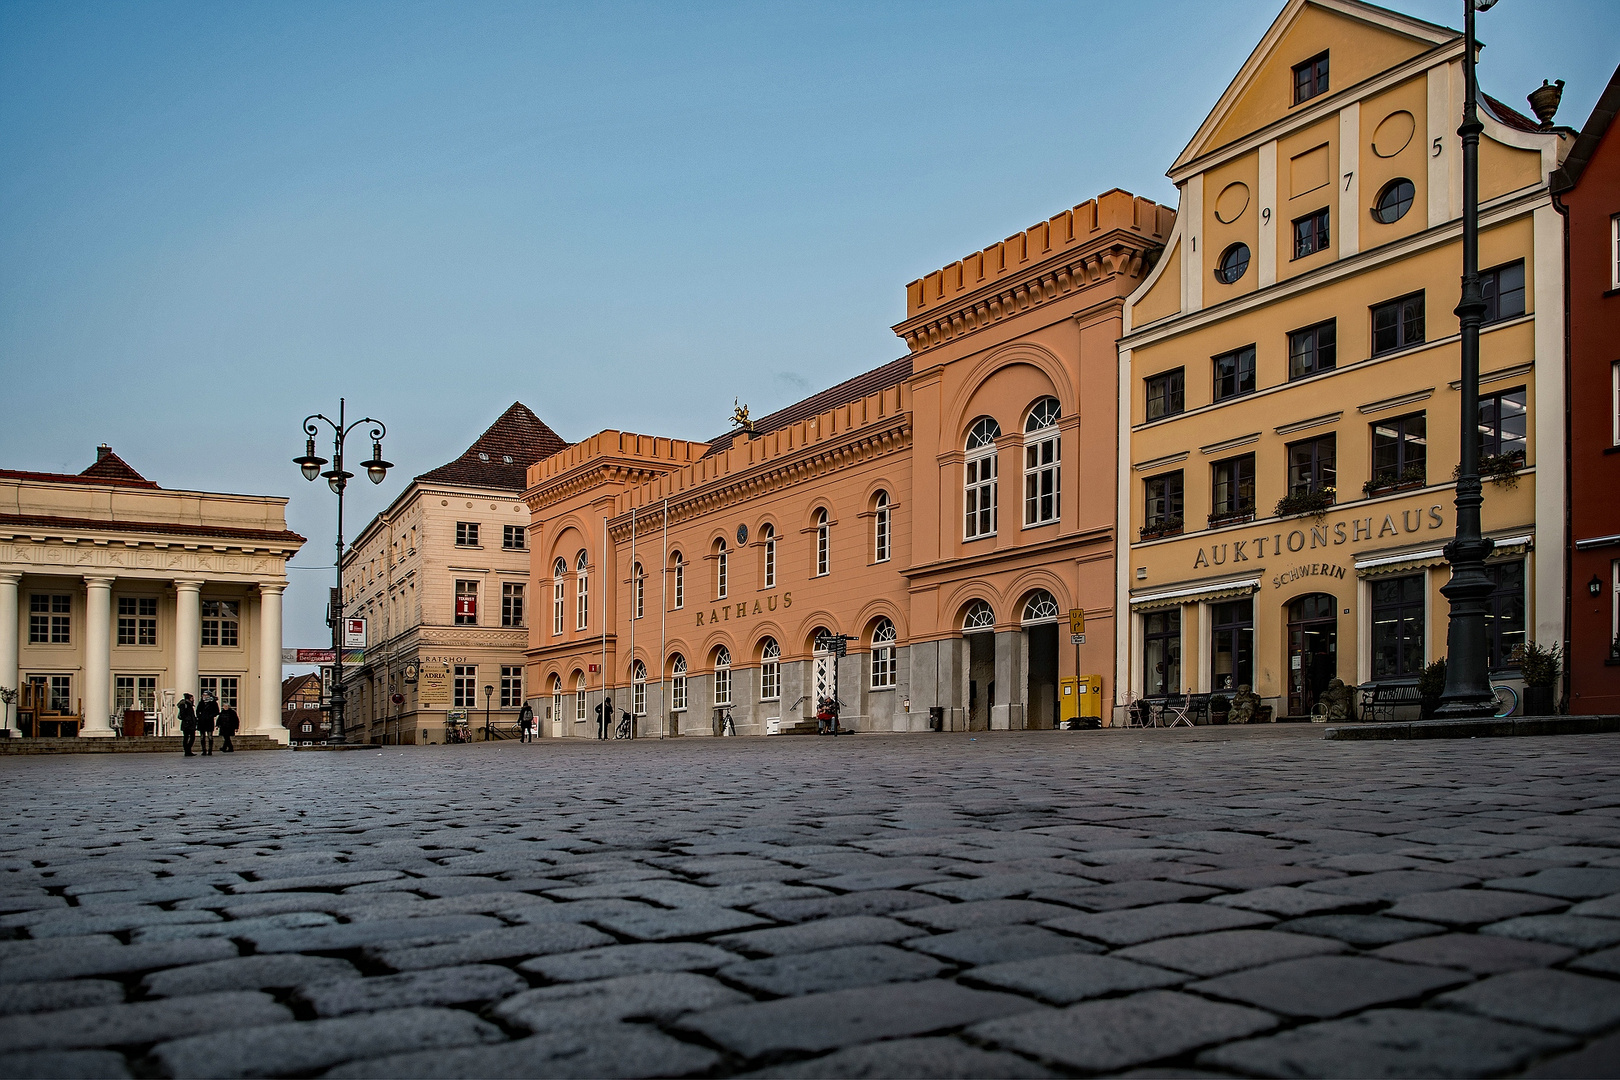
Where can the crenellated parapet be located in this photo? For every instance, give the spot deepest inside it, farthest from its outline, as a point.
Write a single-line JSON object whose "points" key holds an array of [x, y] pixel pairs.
{"points": [[1115, 235]]}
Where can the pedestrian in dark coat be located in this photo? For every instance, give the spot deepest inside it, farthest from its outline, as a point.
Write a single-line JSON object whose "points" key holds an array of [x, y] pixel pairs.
{"points": [[229, 724], [526, 723], [604, 718], [188, 723], [207, 717]]}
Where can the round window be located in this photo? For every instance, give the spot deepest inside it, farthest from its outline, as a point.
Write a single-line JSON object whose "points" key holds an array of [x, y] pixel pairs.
{"points": [[1234, 264], [1394, 201]]}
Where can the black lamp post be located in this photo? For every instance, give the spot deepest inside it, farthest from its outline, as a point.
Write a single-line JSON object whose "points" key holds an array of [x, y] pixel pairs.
{"points": [[488, 691], [337, 479], [1468, 691]]}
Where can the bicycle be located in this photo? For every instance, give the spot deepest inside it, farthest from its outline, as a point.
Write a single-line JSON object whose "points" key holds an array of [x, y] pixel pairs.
{"points": [[1507, 701], [622, 730]]}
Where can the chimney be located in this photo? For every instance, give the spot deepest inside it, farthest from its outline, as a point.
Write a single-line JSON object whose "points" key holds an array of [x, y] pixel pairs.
{"points": [[102, 451]]}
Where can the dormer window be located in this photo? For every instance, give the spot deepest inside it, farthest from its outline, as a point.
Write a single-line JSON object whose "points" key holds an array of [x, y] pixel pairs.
{"points": [[1311, 78]]}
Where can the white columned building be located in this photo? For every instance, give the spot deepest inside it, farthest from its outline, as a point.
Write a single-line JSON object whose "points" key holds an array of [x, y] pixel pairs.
{"points": [[117, 595]]}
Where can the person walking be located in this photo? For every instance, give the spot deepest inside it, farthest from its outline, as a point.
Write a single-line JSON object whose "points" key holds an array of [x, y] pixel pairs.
{"points": [[604, 717], [526, 723], [207, 716], [188, 723], [229, 724]]}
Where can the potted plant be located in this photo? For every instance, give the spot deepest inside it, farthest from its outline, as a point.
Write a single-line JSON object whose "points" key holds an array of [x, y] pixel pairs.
{"points": [[1431, 684], [1540, 668], [1220, 707], [1315, 503], [1498, 468]]}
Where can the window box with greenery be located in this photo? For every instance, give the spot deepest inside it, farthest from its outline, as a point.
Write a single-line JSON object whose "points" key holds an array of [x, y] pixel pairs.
{"points": [[1232, 491], [1163, 508], [1312, 472], [1413, 476]]}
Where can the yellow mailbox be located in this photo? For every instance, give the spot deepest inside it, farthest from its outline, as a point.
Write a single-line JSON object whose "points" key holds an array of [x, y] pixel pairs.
{"points": [[1090, 696], [1068, 700]]}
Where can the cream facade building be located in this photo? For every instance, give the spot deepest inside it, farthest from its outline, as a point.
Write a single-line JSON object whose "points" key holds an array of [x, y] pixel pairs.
{"points": [[442, 579], [116, 594]]}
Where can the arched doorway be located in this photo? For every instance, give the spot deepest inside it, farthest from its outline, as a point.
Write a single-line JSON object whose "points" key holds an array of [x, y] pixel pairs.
{"points": [[978, 631], [1313, 649], [1040, 622]]}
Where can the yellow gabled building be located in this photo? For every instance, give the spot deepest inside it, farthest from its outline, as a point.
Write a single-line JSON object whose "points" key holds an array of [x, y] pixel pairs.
{"points": [[1289, 373]]}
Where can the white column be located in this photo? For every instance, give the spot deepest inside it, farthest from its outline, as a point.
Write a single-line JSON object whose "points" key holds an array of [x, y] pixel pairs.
{"points": [[9, 617], [97, 657], [268, 718], [187, 637]]}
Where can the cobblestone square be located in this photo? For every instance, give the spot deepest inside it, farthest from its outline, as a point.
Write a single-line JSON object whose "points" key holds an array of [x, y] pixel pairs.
{"points": [[1248, 901]]}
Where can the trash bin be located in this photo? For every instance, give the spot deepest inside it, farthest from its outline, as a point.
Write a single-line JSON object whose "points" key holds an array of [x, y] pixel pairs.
{"points": [[936, 718]]}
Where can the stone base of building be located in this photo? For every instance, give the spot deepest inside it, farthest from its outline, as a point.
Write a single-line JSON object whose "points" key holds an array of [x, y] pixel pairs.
{"points": [[1478, 729], [146, 744]]}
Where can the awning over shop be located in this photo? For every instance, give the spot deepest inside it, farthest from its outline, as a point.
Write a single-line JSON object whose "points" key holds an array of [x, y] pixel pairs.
{"points": [[1205, 593], [1507, 547]]}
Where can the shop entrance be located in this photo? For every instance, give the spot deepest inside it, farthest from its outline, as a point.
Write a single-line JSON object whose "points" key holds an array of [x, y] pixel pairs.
{"points": [[1313, 649]]}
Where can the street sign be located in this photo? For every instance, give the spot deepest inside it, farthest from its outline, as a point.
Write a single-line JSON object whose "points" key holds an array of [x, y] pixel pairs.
{"points": [[1077, 622], [1077, 639], [354, 633]]}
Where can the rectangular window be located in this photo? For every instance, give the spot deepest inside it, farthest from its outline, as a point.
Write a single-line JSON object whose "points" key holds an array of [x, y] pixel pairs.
{"points": [[50, 619], [722, 574], [1397, 627], [677, 692], [464, 688], [511, 686], [1232, 658], [558, 602], [582, 600], [680, 583], [1166, 394], [1161, 653], [1503, 289], [1234, 374], [1614, 403], [638, 695], [1310, 78], [722, 684], [61, 697], [1504, 614], [223, 687], [466, 603], [1232, 488], [638, 593], [770, 562], [1312, 465], [880, 532], [1503, 424], [1400, 449], [1614, 252], [221, 620], [466, 534], [135, 692], [1312, 349], [770, 680], [883, 666], [137, 620], [1397, 324], [1163, 509], [514, 538], [1311, 233], [511, 604], [980, 496], [1040, 479]]}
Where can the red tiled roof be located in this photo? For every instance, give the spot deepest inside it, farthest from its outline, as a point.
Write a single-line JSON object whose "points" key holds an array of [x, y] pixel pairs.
{"points": [[502, 455], [108, 469], [48, 523], [295, 683], [1509, 116], [881, 378]]}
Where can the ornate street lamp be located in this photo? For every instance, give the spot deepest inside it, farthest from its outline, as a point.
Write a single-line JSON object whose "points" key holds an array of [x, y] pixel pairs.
{"points": [[338, 480], [489, 691], [1468, 691]]}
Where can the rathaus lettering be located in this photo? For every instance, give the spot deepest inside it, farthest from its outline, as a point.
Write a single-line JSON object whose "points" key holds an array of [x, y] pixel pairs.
{"points": [[1355, 531], [744, 609]]}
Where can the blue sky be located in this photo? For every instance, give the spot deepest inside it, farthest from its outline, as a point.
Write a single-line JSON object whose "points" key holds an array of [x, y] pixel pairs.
{"points": [[215, 218]]}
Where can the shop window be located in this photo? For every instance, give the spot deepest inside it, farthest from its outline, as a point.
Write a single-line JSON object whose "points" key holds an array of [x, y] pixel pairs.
{"points": [[638, 688], [466, 534], [1232, 489], [50, 619], [1398, 324], [1311, 233], [1163, 509], [1394, 200], [1311, 78], [1312, 465], [770, 671], [1504, 613], [464, 686], [466, 603], [137, 620], [514, 538], [677, 685], [1312, 350], [1503, 290], [511, 604], [883, 666], [1042, 452], [1397, 626], [582, 591], [224, 688], [559, 594], [511, 686], [767, 534], [1400, 451], [1234, 373], [221, 622], [1232, 644], [980, 479], [1166, 393], [1161, 653], [722, 676], [823, 544], [880, 527], [1503, 424]]}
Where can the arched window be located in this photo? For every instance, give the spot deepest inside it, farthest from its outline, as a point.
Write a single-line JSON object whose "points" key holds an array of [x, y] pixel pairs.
{"points": [[980, 479], [722, 566], [677, 683], [556, 697], [678, 572], [980, 616], [1041, 454], [767, 534], [770, 671], [1040, 608], [722, 676], [823, 640], [883, 639], [579, 695], [582, 592], [823, 538], [559, 571], [880, 527], [638, 688]]}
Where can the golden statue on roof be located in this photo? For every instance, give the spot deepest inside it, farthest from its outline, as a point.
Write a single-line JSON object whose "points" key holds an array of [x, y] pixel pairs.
{"points": [[739, 416]]}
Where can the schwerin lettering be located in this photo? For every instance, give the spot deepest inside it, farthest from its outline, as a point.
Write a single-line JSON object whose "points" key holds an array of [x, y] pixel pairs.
{"points": [[744, 610], [1356, 531], [1308, 570]]}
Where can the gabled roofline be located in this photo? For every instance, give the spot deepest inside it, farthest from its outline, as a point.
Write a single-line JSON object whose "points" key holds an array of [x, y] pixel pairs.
{"points": [[1417, 29], [1591, 137]]}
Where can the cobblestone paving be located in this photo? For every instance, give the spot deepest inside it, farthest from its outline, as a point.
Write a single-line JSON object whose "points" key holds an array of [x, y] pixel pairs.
{"points": [[1233, 902]]}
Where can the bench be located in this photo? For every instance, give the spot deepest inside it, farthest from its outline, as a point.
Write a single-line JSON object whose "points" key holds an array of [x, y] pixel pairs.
{"points": [[1380, 700]]}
